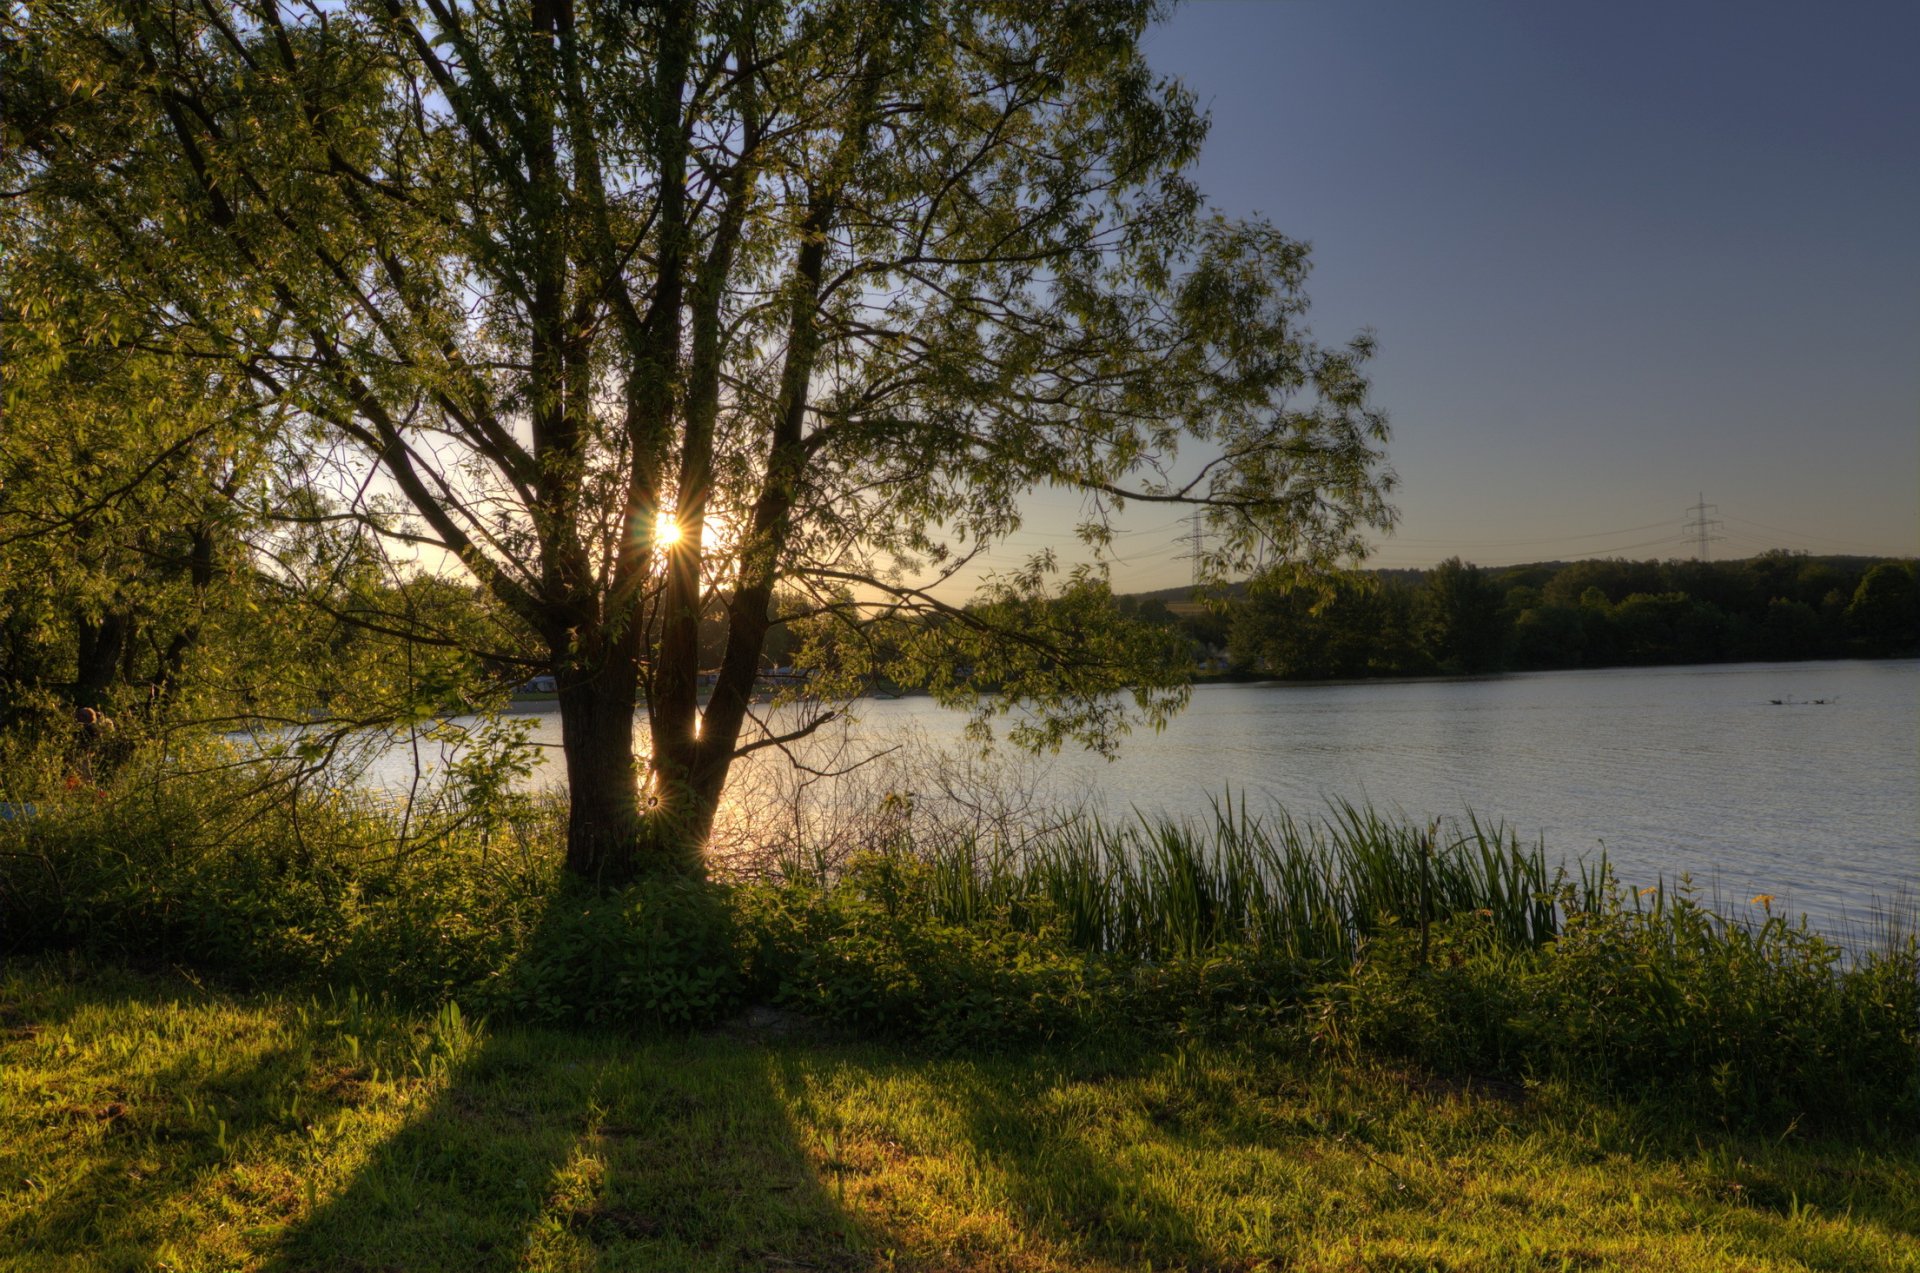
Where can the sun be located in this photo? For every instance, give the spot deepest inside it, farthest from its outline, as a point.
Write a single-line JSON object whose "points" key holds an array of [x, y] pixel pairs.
{"points": [[666, 530]]}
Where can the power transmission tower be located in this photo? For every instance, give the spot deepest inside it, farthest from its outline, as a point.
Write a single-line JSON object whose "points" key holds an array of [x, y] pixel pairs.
{"points": [[1196, 541], [1701, 526]]}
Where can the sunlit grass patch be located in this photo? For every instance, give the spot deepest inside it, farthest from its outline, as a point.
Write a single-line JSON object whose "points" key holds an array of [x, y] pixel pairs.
{"points": [[146, 1124], [155, 1125], [1223, 1160]]}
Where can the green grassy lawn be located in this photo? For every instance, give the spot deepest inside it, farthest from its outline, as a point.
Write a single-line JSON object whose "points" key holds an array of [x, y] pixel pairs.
{"points": [[146, 1123]]}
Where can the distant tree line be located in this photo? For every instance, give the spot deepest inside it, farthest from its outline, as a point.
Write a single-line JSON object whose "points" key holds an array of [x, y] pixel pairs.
{"points": [[1459, 618]]}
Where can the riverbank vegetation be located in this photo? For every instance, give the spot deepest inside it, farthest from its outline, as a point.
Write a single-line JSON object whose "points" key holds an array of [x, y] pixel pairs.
{"points": [[1450, 946], [1461, 618]]}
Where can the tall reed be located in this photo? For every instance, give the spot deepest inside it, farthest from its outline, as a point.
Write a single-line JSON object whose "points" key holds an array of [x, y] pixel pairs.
{"points": [[1164, 888]]}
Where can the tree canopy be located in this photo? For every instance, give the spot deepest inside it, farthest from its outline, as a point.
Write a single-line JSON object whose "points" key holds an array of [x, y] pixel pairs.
{"points": [[636, 314]]}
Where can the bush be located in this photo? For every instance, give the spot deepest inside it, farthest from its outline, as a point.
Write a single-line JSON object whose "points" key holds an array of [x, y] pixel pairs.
{"points": [[1743, 1022], [217, 865], [1762, 1019], [659, 953], [867, 953], [1231, 992], [1447, 998]]}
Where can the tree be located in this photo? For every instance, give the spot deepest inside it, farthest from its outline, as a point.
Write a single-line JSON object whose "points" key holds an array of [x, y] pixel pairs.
{"points": [[1549, 636], [1790, 630], [1466, 625], [637, 309], [1884, 616], [1362, 626]]}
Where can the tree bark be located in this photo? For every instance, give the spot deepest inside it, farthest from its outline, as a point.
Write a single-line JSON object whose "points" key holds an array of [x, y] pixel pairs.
{"points": [[166, 680], [603, 813], [100, 647]]}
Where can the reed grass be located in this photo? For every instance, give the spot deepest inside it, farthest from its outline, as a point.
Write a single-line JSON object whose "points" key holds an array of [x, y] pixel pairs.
{"points": [[1308, 889]]}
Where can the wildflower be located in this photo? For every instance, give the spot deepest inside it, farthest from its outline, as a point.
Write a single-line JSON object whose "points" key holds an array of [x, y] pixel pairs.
{"points": [[1763, 900]]}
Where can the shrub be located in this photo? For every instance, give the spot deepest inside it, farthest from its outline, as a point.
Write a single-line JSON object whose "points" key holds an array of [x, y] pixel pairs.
{"points": [[1764, 1022], [659, 953], [1447, 997], [1761, 1019], [867, 953], [218, 865]]}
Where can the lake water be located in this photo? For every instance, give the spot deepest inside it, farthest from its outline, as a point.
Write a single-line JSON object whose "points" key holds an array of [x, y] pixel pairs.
{"points": [[1671, 770]]}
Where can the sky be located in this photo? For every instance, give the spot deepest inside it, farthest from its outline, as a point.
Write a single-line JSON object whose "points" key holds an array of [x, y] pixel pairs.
{"points": [[1618, 257]]}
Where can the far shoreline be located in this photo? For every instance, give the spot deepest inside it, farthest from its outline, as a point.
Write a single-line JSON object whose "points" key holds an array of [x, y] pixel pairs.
{"points": [[537, 702]]}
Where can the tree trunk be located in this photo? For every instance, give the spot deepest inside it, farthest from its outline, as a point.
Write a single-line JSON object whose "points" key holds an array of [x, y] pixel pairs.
{"points": [[100, 647], [166, 681], [674, 836], [603, 809]]}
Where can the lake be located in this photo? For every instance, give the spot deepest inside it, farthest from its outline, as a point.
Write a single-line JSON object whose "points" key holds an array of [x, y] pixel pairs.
{"points": [[1734, 774]]}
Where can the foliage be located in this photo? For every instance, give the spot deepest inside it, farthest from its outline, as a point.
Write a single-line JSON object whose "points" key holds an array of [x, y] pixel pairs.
{"points": [[1363, 627], [656, 954], [1761, 1022], [1466, 631], [1303, 891], [869, 953], [250, 871], [122, 522], [155, 567], [1452, 949], [826, 287], [1884, 614]]}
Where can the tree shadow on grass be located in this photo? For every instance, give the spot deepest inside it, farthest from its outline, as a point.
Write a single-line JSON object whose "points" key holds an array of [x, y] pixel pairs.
{"points": [[1110, 1176], [555, 1151], [543, 1148], [1069, 1187], [121, 1148]]}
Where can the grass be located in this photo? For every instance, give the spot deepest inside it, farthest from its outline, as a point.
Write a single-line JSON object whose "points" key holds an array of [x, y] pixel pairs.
{"points": [[1310, 890], [148, 1123]]}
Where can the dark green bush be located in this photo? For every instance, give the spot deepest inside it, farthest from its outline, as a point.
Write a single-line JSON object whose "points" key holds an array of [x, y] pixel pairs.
{"points": [[218, 871], [1765, 1018], [1765, 1022], [867, 953], [1447, 997], [657, 953], [1230, 992]]}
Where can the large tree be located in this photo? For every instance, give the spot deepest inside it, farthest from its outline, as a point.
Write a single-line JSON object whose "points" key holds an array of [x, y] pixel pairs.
{"points": [[640, 310]]}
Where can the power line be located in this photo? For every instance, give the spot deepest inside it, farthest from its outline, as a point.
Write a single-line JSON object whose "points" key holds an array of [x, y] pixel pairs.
{"points": [[1832, 541], [1595, 551], [1529, 543]]}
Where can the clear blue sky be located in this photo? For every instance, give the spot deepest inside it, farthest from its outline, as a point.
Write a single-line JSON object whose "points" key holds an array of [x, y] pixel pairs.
{"points": [[1615, 254]]}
